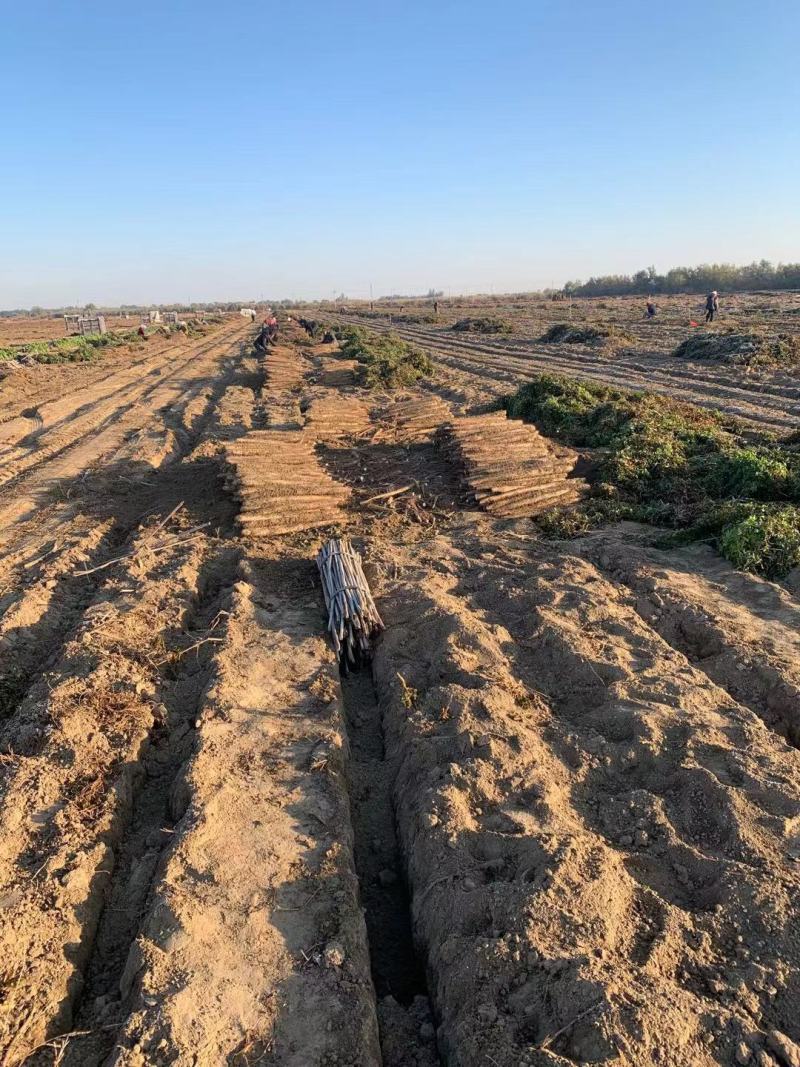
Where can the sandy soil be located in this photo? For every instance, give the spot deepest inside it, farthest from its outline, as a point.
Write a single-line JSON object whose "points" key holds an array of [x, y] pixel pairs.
{"points": [[557, 821]]}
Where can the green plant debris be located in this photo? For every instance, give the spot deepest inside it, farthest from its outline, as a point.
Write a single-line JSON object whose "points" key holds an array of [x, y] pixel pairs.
{"points": [[387, 361], [747, 349], [564, 333], [80, 349], [487, 324], [672, 464]]}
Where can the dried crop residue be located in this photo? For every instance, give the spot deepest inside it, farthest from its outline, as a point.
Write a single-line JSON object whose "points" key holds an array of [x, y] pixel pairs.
{"points": [[598, 838]]}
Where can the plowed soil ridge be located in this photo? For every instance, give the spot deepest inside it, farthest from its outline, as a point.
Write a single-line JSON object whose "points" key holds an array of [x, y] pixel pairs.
{"points": [[587, 824], [265, 842], [73, 762], [742, 631]]}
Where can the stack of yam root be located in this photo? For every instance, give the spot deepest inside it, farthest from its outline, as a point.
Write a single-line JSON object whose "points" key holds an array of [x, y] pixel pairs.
{"points": [[338, 373], [511, 470], [282, 368], [417, 419], [330, 418], [281, 485]]}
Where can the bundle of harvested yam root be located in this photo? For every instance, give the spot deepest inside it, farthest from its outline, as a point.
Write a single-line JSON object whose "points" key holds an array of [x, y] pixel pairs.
{"points": [[353, 619], [511, 469]]}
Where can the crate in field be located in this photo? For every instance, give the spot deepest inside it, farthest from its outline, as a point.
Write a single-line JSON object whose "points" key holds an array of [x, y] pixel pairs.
{"points": [[91, 324], [71, 323], [170, 318], [149, 317]]}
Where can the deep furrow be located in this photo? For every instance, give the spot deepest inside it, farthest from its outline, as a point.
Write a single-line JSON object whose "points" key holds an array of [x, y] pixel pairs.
{"points": [[405, 1019]]}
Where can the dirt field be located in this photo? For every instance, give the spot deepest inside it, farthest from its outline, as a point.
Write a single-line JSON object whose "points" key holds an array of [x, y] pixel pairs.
{"points": [[557, 821], [497, 364], [22, 328]]}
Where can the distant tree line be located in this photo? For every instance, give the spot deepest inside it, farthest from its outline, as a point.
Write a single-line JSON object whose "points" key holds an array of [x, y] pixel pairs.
{"points": [[722, 276], [121, 309]]}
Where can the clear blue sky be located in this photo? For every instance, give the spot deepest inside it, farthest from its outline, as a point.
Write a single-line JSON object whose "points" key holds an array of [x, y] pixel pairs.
{"points": [[176, 151]]}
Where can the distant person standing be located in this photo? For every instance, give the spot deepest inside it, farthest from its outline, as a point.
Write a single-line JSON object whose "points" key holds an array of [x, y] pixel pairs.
{"points": [[651, 309], [712, 306], [252, 316], [436, 308]]}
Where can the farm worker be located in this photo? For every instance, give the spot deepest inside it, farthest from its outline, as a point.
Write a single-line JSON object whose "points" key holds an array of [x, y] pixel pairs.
{"points": [[272, 328], [712, 306], [262, 336], [252, 316], [436, 307], [651, 309], [140, 331]]}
